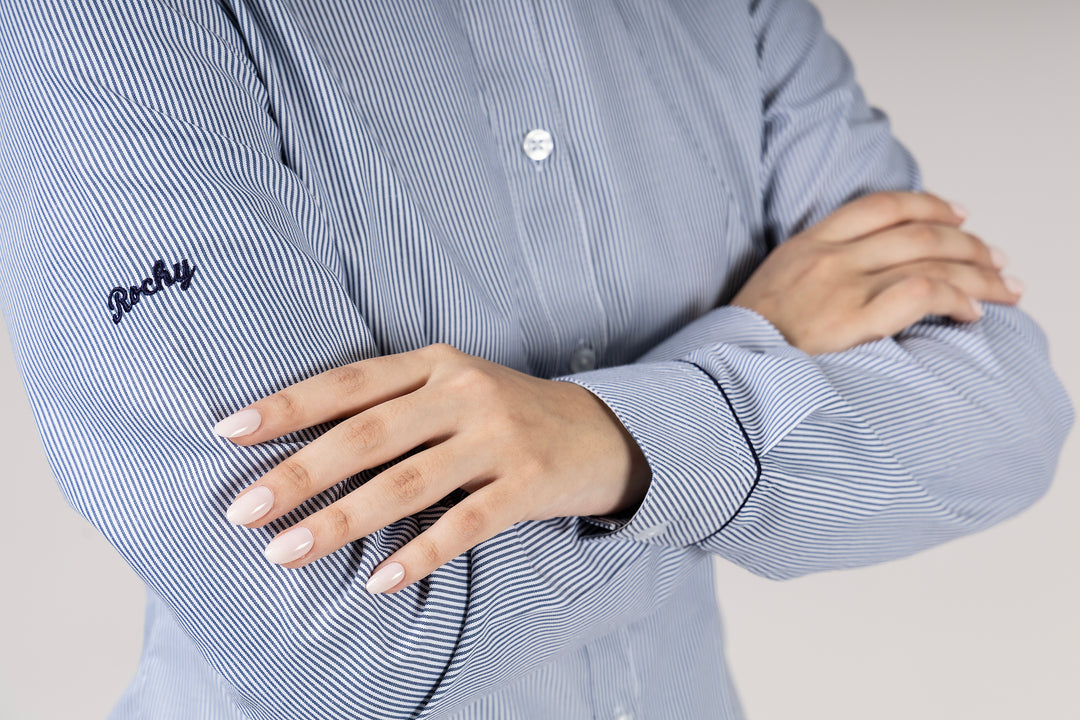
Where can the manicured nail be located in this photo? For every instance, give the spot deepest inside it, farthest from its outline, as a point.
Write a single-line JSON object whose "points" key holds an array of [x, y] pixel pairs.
{"points": [[976, 306], [386, 578], [997, 258], [244, 422], [250, 506], [959, 210], [1013, 284], [289, 545]]}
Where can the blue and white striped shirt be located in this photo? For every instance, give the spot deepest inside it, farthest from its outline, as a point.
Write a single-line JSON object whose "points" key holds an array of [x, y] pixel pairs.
{"points": [[203, 201]]}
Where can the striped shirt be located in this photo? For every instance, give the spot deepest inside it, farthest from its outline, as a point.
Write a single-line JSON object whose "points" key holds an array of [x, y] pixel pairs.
{"points": [[203, 202]]}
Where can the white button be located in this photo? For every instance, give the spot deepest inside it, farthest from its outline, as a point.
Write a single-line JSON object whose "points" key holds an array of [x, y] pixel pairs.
{"points": [[538, 144], [651, 532], [621, 714], [583, 359]]}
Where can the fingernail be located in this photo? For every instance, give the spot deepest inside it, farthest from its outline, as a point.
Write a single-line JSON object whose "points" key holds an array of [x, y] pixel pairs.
{"points": [[387, 577], [1013, 284], [976, 306], [244, 422], [997, 258], [289, 545], [250, 506], [959, 210]]}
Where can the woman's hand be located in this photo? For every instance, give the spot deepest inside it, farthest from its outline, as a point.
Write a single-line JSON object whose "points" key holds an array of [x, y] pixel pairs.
{"points": [[525, 448], [872, 268]]}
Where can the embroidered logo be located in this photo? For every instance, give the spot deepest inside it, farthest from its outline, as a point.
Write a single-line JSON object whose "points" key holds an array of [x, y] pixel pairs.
{"points": [[122, 300]]}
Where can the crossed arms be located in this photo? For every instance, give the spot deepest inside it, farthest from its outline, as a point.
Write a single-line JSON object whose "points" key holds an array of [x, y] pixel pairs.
{"points": [[783, 462]]}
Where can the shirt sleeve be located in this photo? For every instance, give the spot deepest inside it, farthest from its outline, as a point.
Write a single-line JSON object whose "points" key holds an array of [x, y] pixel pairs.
{"points": [[160, 267], [787, 463]]}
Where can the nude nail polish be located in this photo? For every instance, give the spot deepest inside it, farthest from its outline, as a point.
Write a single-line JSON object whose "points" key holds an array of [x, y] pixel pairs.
{"points": [[240, 423], [289, 545], [386, 578], [959, 210], [250, 506]]}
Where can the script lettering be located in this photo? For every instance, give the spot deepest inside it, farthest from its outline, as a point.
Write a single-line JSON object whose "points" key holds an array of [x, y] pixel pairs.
{"points": [[122, 300]]}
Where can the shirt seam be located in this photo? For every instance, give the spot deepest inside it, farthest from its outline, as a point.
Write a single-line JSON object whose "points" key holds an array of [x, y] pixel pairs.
{"points": [[749, 445]]}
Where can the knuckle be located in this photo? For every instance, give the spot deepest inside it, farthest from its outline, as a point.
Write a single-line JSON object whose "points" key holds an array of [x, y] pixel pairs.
{"points": [[468, 522], [475, 380], [406, 483], [284, 404], [363, 433], [347, 379], [338, 522], [428, 551], [295, 476]]}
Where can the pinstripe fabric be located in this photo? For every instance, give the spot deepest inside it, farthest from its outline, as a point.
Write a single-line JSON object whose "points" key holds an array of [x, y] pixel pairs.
{"points": [[347, 179]]}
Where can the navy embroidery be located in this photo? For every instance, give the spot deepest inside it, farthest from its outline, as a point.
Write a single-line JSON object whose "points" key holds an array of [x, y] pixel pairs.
{"points": [[122, 300]]}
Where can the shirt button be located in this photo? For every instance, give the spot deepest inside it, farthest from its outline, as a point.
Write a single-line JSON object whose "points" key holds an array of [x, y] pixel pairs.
{"points": [[583, 359], [538, 144], [621, 714]]}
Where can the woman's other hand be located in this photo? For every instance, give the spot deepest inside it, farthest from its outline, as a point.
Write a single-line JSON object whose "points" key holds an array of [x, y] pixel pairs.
{"points": [[524, 448], [872, 268]]}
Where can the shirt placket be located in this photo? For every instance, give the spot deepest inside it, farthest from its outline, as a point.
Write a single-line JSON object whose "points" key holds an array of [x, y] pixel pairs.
{"points": [[536, 149]]}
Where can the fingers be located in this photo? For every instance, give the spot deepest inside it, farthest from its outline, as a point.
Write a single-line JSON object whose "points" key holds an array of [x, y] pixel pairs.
{"points": [[911, 242], [877, 211], [482, 515], [906, 302], [339, 392], [933, 288], [974, 281], [408, 487], [367, 440]]}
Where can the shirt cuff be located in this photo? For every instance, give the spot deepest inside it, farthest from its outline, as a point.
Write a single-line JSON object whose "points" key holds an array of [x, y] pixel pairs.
{"points": [[680, 404], [703, 465], [702, 468]]}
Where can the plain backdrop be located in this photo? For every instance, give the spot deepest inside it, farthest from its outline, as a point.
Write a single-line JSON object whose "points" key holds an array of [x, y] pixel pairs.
{"points": [[986, 96]]}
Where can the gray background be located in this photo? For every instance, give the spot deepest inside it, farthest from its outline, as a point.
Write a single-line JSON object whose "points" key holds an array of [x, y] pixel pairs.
{"points": [[986, 96]]}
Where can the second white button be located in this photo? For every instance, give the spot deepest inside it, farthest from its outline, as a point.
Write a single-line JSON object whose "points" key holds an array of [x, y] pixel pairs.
{"points": [[583, 359]]}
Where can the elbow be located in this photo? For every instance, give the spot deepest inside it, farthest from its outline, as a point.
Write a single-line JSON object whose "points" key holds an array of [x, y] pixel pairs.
{"points": [[1023, 457], [1022, 465], [1012, 469], [998, 445]]}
